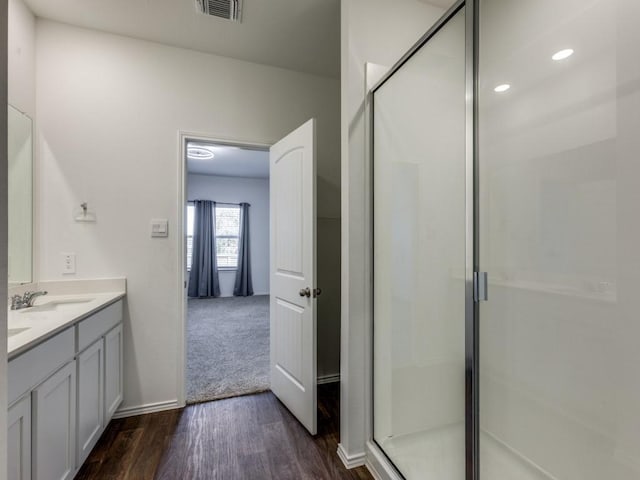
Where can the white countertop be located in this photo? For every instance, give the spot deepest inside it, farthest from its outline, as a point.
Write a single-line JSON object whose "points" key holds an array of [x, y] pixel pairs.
{"points": [[50, 315]]}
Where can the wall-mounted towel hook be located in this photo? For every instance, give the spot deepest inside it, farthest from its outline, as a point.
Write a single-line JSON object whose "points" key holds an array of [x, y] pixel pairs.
{"points": [[84, 215]]}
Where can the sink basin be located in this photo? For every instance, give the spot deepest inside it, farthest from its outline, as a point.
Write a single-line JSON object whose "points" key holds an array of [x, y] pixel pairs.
{"points": [[15, 331], [57, 305]]}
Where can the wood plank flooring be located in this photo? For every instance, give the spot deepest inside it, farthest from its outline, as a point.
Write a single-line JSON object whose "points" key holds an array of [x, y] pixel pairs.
{"points": [[244, 438]]}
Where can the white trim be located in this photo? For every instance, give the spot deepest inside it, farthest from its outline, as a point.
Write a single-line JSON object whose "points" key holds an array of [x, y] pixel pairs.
{"points": [[255, 294], [356, 306], [183, 136], [331, 378], [378, 464], [148, 408], [181, 352], [373, 73], [356, 271], [373, 470], [35, 206], [351, 461]]}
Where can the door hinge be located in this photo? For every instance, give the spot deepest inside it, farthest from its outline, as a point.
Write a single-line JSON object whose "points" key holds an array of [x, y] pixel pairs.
{"points": [[480, 287]]}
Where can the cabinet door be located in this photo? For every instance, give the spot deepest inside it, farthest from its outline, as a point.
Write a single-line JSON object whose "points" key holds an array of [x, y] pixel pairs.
{"points": [[19, 440], [54, 426], [90, 398], [113, 371]]}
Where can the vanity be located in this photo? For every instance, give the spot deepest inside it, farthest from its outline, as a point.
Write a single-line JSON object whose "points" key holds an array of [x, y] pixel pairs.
{"points": [[65, 348], [65, 378]]}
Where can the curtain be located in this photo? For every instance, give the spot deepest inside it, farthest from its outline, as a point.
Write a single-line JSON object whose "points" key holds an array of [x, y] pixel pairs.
{"points": [[243, 286], [203, 278]]}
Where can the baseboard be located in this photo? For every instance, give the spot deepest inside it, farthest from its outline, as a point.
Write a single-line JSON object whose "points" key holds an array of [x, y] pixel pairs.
{"points": [[255, 294], [351, 461], [378, 464], [373, 470], [332, 378], [144, 409]]}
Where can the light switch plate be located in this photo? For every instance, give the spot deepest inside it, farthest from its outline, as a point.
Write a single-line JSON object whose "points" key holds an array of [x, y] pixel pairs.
{"points": [[159, 227], [68, 263]]}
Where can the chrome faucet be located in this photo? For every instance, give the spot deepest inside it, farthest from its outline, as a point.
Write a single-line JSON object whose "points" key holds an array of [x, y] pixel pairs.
{"points": [[19, 302]]}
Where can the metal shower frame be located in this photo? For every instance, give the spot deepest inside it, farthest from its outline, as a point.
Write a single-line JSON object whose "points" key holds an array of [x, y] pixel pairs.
{"points": [[472, 251]]}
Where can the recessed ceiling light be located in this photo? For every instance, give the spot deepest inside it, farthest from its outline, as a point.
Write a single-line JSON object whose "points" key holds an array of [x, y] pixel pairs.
{"points": [[562, 54], [197, 153], [502, 88]]}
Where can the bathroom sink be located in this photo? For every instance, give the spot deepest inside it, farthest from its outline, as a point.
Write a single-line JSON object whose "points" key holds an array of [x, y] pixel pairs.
{"points": [[15, 331], [57, 305]]}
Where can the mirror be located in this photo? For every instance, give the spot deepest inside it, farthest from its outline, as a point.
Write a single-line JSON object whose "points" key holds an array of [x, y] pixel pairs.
{"points": [[20, 196]]}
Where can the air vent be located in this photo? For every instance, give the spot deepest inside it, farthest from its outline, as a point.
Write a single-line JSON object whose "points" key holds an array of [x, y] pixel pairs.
{"points": [[228, 9]]}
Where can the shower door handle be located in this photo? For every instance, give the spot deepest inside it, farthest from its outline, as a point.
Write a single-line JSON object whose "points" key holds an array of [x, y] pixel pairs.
{"points": [[480, 287]]}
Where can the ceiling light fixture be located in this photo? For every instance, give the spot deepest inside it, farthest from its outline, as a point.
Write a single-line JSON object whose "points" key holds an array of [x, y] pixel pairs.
{"points": [[502, 88], [197, 153], [562, 54]]}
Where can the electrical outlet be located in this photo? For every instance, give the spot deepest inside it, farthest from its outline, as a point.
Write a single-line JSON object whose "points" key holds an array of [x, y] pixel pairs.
{"points": [[68, 263]]}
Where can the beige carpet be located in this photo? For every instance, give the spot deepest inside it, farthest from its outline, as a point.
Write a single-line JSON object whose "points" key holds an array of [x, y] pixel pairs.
{"points": [[227, 347]]}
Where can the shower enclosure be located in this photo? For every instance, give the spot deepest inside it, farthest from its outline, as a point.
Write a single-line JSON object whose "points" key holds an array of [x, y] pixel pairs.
{"points": [[507, 141]]}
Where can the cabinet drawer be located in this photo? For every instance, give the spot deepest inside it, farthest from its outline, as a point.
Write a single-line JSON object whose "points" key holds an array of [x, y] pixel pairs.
{"points": [[92, 328], [33, 366]]}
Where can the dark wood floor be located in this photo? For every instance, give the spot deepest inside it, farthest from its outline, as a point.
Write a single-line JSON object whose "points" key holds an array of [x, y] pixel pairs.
{"points": [[243, 438]]}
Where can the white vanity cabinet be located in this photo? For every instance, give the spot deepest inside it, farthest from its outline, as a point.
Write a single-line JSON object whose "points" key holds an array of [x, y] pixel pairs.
{"points": [[113, 375], [62, 394], [90, 398], [41, 394], [54, 422], [19, 440]]}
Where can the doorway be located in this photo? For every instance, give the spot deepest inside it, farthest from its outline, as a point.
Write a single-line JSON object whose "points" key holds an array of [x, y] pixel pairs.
{"points": [[227, 269], [292, 293]]}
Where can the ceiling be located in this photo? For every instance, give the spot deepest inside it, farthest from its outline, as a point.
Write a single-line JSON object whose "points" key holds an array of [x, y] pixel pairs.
{"points": [[302, 35], [229, 161]]}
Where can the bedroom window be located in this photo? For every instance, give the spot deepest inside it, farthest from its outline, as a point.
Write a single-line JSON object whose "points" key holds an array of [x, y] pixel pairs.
{"points": [[227, 235]]}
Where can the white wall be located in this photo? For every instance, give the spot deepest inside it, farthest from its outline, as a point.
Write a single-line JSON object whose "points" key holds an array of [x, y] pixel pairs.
{"points": [[379, 32], [254, 191], [21, 58], [109, 112], [328, 276]]}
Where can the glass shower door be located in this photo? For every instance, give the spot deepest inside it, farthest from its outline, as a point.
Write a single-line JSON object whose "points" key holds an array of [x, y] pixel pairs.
{"points": [[559, 172], [419, 260]]}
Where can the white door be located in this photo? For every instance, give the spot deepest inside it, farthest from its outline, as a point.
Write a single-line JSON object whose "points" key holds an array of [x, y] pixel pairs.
{"points": [[293, 273]]}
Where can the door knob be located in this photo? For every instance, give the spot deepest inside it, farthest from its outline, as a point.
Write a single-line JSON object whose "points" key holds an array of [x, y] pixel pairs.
{"points": [[305, 292], [317, 292]]}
